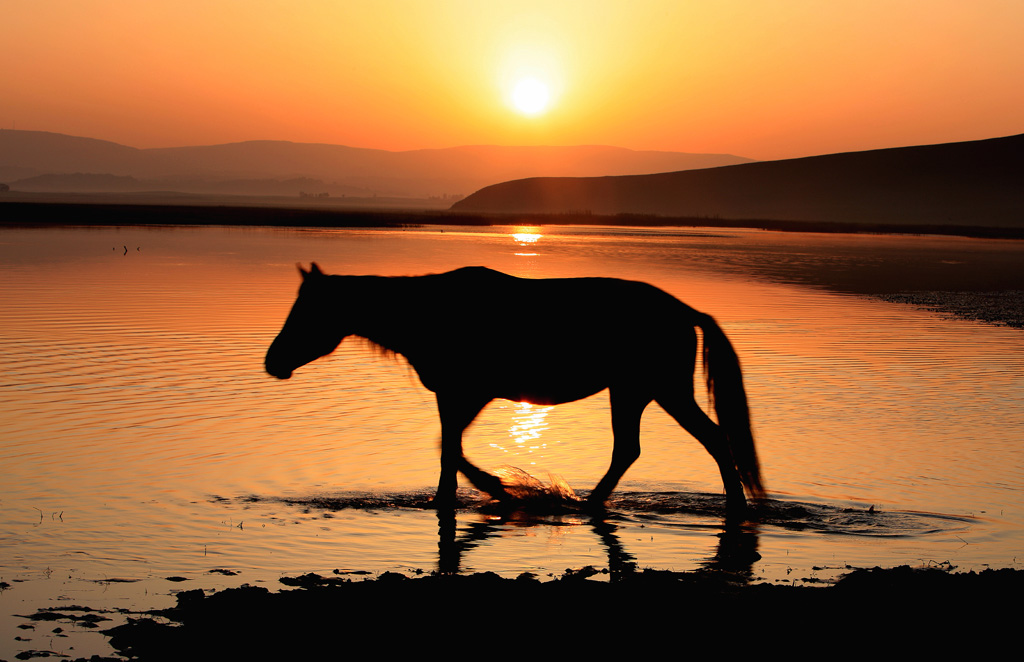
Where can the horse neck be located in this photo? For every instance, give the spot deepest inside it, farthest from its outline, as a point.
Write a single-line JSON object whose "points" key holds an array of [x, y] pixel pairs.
{"points": [[380, 309]]}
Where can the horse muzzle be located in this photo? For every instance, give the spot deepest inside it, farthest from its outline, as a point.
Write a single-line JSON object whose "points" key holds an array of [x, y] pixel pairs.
{"points": [[277, 370]]}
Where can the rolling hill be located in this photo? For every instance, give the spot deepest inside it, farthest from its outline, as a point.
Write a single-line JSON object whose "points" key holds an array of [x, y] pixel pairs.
{"points": [[975, 183]]}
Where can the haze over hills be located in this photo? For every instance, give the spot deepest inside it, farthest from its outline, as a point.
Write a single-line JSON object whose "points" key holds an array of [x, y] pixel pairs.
{"points": [[975, 183], [42, 161]]}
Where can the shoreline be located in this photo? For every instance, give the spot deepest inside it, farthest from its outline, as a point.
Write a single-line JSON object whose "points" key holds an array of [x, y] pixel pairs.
{"points": [[106, 210]]}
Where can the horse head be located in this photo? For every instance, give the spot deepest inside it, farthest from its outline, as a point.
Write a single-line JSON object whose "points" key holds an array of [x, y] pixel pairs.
{"points": [[311, 330]]}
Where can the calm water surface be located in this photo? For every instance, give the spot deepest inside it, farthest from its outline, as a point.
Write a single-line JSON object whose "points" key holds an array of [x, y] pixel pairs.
{"points": [[141, 439]]}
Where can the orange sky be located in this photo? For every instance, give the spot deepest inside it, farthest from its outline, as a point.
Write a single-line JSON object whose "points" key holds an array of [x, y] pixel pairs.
{"points": [[755, 78]]}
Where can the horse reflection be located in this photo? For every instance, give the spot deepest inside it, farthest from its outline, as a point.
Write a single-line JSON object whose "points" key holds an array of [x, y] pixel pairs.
{"points": [[586, 335], [735, 552]]}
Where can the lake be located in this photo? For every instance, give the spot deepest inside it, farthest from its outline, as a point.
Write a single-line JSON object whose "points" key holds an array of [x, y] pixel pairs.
{"points": [[141, 439]]}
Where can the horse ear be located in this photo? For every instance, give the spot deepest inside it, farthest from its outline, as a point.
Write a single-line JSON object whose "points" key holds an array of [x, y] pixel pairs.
{"points": [[314, 270]]}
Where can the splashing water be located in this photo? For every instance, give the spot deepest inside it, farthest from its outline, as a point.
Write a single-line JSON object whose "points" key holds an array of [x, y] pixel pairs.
{"points": [[525, 487]]}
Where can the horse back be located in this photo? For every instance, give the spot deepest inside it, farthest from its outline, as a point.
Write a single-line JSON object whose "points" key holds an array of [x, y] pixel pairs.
{"points": [[490, 301], [551, 339]]}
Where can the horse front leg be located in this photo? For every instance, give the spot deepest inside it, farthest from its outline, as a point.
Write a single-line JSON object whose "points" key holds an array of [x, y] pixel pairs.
{"points": [[627, 409], [457, 412]]}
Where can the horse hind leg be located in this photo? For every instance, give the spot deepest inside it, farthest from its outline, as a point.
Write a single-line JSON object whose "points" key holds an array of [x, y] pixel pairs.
{"points": [[627, 409], [684, 409], [483, 481]]}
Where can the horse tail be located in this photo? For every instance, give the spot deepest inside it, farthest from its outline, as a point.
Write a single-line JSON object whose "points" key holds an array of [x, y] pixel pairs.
{"points": [[725, 388]]}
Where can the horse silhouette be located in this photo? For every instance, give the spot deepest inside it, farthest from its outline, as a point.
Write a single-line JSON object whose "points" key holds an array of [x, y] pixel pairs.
{"points": [[459, 332]]}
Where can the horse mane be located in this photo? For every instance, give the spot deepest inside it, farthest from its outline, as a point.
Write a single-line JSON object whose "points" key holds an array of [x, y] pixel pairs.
{"points": [[378, 349]]}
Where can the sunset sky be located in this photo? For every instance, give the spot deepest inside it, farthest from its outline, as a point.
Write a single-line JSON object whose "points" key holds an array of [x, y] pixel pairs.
{"points": [[755, 78]]}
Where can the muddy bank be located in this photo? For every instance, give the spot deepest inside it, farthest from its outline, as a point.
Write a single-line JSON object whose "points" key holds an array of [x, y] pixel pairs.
{"points": [[580, 612], [997, 308]]}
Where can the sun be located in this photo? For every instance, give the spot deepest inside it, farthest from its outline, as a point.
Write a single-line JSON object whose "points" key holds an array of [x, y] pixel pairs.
{"points": [[531, 96]]}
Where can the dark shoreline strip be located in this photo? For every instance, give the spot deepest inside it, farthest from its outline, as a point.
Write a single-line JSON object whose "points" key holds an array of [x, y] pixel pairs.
{"points": [[42, 214]]}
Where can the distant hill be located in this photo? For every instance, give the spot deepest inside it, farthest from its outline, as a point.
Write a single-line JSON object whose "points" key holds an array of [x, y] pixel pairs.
{"points": [[269, 167], [80, 182], [969, 183]]}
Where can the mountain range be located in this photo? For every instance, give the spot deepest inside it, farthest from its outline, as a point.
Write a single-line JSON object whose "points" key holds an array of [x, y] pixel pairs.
{"points": [[43, 161], [976, 183]]}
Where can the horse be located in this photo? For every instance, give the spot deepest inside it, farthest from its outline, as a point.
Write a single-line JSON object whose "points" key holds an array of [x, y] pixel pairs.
{"points": [[585, 335]]}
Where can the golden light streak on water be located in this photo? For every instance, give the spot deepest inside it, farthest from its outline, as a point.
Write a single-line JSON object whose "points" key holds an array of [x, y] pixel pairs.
{"points": [[526, 427], [526, 236]]}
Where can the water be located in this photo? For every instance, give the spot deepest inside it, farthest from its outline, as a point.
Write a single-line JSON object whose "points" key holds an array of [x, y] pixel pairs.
{"points": [[140, 438]]}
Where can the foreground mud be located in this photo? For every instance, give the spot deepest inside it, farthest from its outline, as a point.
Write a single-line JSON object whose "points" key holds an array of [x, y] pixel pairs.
{"points": [[580, 613]]}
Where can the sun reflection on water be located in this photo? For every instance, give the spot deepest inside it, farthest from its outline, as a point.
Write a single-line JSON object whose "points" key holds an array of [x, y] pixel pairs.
{"points": [[526, 235], [526, 429]]}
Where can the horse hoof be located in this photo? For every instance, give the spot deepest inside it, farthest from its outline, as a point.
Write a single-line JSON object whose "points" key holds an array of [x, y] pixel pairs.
{"points": [[736, 512], [595, 506], [443, 504], [498, 493]]}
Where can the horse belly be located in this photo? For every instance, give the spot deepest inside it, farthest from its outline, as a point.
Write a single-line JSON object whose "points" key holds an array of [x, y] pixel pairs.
{"points": [[550, 375], [551, 388]]}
